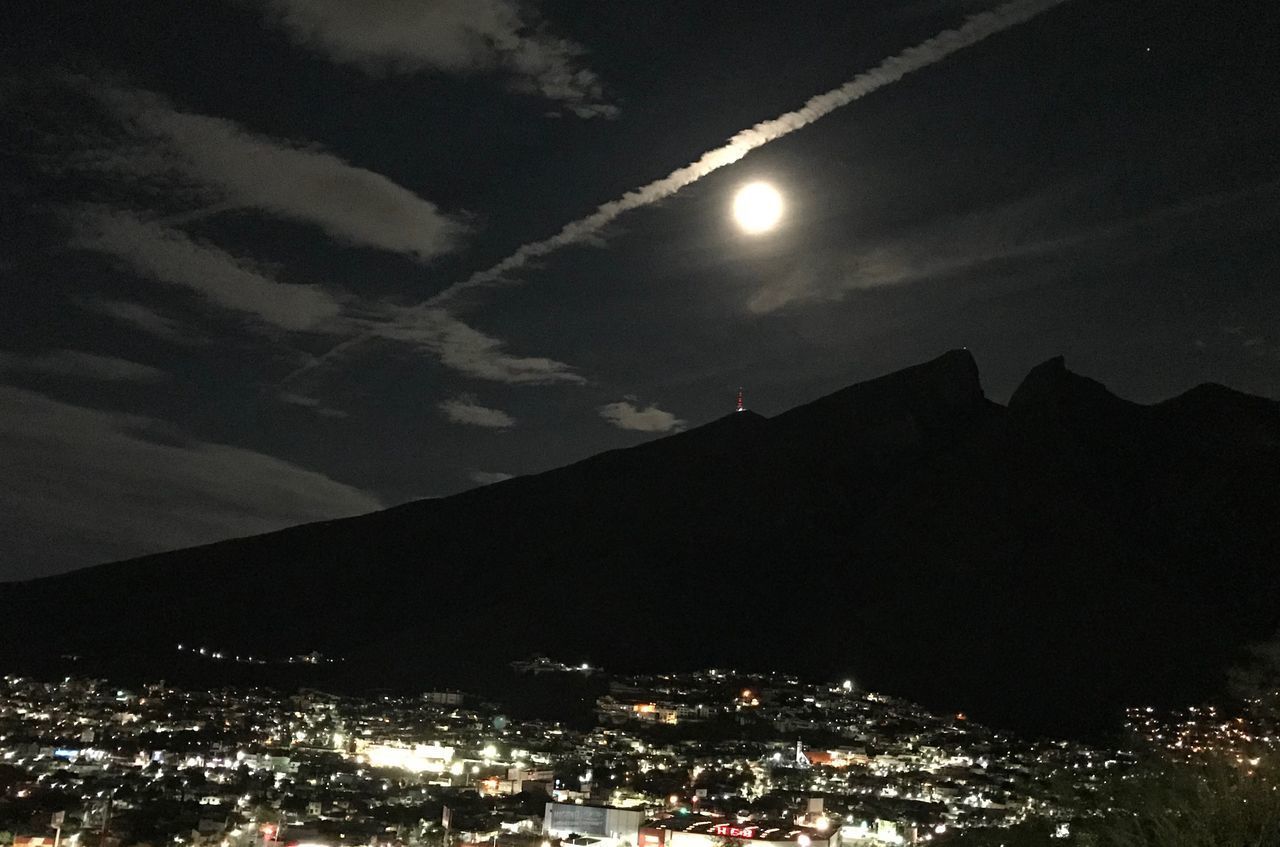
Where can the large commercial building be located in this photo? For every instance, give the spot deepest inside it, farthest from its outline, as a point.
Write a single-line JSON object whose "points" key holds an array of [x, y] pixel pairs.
{"points": [[699, 831], [415, 758], [606, 826]]}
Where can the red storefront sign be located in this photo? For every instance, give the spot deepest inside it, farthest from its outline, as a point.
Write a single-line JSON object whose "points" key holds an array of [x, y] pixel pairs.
{"points": [[730, 830]]}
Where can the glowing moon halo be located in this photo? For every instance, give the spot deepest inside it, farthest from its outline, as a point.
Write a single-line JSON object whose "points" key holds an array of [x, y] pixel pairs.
{"points": [[757, 207]]}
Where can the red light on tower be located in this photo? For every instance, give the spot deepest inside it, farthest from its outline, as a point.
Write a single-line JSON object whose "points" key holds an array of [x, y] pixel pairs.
{"points": [[741, 407]]}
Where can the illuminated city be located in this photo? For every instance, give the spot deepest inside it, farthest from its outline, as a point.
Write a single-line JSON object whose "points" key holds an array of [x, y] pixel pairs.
{"points": [[683, 759], [689, 757]]}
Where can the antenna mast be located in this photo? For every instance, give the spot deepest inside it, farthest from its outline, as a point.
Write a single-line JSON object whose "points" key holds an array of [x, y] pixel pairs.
{"points": [[741, 407]]}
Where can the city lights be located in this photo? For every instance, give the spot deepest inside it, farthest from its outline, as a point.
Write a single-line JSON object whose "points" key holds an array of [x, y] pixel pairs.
{"points": [[890, 773]]}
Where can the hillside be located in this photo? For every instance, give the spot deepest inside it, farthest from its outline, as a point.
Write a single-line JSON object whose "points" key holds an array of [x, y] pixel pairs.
{"points": [[1038, 565]]}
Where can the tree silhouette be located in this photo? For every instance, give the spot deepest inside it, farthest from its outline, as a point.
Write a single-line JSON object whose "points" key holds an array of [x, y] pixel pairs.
{"points": [[1166, 804], [1257, 681]]}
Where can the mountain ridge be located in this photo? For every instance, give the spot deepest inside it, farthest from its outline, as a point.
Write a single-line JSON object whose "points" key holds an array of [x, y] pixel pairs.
{"points": [[1040, 564]]}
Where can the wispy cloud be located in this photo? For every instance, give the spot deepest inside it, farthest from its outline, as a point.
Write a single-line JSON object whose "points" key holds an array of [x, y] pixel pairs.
{"points": [[169, 255], [1049, 225], [96, 485], [228, 166], [238, 168], [454, 36], [465, 349], [628, 414], [465, 410], [489, 477], [311, 403], [145, 319], [82, 365]]}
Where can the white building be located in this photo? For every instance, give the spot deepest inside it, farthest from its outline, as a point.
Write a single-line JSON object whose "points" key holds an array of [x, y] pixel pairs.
{"points": [[699, 831], [609, 826]]}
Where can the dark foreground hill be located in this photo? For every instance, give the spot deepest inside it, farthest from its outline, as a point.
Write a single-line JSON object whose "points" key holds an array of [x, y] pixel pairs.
{"points": [[1038, 565]]}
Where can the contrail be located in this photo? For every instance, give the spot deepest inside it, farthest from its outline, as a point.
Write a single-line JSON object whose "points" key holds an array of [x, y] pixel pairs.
{"points": [[973, 30]]}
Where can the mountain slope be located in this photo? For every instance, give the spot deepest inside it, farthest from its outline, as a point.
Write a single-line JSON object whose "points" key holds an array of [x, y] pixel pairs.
{"points": [[1040, 565]]}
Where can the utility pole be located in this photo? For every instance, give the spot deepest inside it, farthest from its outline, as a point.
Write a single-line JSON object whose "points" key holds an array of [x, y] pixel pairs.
{"points": [[106, 819]]}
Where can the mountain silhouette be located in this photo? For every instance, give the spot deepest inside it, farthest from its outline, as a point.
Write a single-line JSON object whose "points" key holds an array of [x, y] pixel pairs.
{"points": [[1038, 565]]}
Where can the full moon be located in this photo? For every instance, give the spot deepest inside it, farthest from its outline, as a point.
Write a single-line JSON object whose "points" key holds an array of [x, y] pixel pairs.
{"points": [[757, 207]]}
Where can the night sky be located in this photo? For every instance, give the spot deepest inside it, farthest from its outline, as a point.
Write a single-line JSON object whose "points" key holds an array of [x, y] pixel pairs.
{"points": [[221, 222]]}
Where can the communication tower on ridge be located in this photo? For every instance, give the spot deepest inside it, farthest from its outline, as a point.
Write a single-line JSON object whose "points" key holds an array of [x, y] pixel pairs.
{"points": [[741, 408]]}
